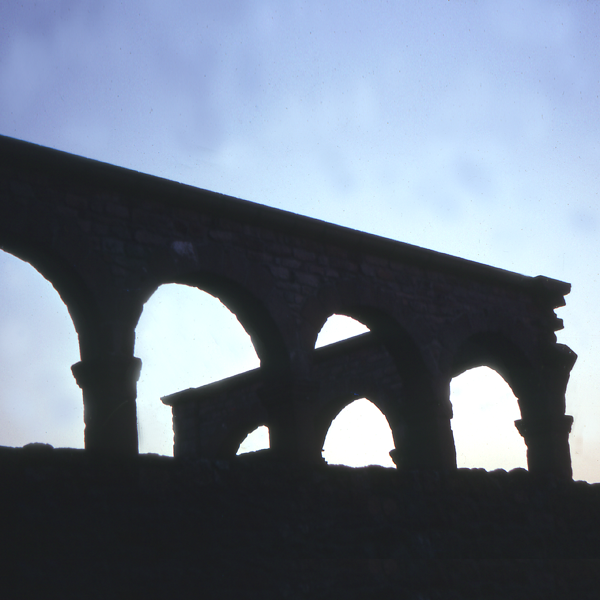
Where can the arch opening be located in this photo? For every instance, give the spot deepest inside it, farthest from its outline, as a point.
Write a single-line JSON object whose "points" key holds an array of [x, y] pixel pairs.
{"points": [[255, 440], [359, 436], [39, 398], [338, 328], [255, 318], [485, 410], [186, 338]]}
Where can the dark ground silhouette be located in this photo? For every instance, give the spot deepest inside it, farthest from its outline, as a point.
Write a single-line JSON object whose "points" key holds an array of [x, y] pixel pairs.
{"points": [[79, 526]]}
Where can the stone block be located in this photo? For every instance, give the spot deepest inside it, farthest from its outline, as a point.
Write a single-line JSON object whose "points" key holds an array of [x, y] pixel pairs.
{"points": [[307, 279], [304, 255], [280, 272], [113, 246]]}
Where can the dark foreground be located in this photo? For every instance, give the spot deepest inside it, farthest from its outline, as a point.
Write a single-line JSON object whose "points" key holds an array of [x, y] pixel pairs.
{"points": [[74, 526]]}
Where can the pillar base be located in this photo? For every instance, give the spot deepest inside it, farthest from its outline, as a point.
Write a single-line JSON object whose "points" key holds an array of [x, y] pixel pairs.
{"points": [[426, 443], [291, 416]]}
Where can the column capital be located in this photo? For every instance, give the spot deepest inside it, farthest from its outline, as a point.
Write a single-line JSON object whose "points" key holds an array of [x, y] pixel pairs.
{"points": [[547, 439], [98, 371], [531, 427], [109, 411]]}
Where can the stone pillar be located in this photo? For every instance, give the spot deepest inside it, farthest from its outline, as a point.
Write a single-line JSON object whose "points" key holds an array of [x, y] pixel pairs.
{"points": [[543, 423], [427, 442], [547, 440], [291, 414], [424, 439], [109, 393]]}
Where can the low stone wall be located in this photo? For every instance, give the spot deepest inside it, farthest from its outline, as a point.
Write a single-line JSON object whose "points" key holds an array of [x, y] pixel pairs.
{"points": [[211, 421], [80, 526]]}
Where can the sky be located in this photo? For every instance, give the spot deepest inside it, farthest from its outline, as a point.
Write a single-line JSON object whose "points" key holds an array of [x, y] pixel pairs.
{"points": [[467, 127]]}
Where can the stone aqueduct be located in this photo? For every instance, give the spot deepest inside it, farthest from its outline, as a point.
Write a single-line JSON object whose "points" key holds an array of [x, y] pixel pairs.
{"points": [[107, 238]]}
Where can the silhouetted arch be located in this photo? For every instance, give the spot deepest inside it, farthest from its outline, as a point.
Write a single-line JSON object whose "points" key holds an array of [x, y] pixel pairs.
{"points": [[332, 404], [238, 432], [183, 324], [122, 234], [352, 300], [378, 312], [339, 321], [494, 350], [60, 272], [254, 317], [257, 439], [484, 411], [367, 407], [60, 251], [36, 358]]}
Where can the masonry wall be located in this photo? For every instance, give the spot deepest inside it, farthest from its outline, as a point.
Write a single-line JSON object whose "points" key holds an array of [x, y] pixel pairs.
{"points": [[106, 522], [107, 238], [212, 421]]}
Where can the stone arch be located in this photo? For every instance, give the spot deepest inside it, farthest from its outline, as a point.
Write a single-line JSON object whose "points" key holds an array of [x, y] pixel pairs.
{"points": [[211, 421], [484, 413], [377, 311], [56, 245], [363, 367], [185, 338], [109, 416], [238, 431], [355, 299], [258, 318], [71, 287], [538, 380], [328, 334], [254, 316], [49, 397], [371, 407], [420, 415], [498, 352], [253, 439], [337, 404]]}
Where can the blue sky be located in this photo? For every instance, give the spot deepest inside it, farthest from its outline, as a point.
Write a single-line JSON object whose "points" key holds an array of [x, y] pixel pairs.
{"points": [[463, 126]]}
